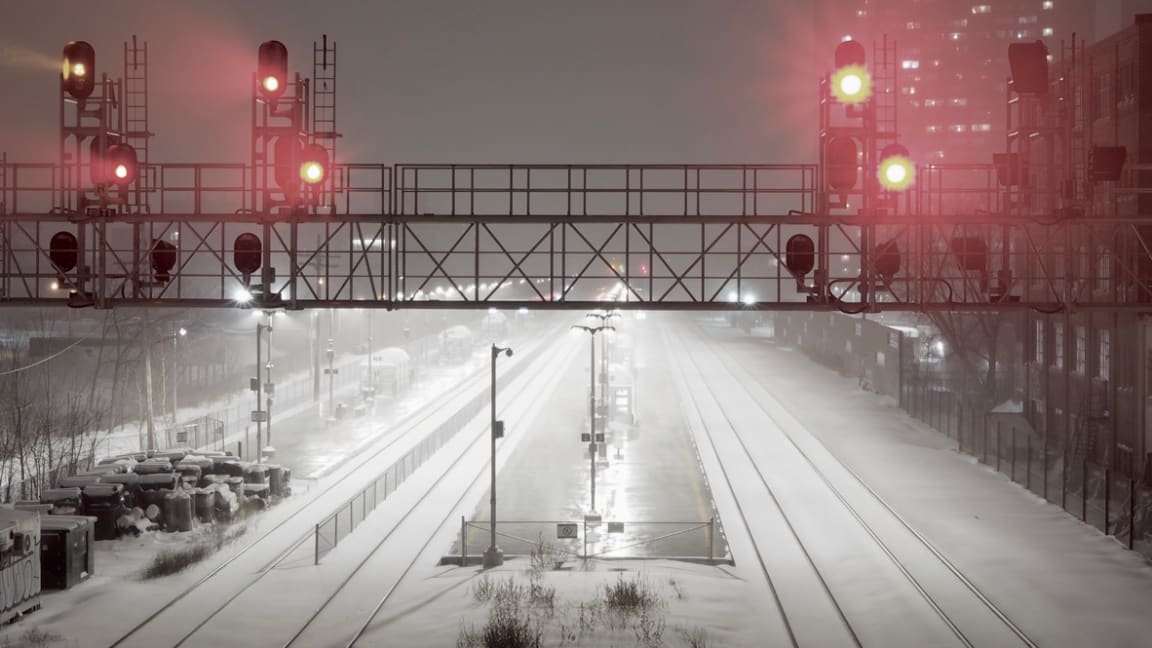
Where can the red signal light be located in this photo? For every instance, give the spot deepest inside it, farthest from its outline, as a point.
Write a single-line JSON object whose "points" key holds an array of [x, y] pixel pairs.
{"points": [[272, 68]]}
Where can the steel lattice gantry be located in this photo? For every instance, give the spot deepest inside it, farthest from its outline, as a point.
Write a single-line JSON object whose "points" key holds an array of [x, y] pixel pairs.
{"points": [[568, 237]]}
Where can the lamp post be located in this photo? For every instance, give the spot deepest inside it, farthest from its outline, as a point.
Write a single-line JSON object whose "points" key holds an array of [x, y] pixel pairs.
{"points": [[605, 387], [180, 332], [493, 557], [331, 371], [268, 386], [592, 330]]}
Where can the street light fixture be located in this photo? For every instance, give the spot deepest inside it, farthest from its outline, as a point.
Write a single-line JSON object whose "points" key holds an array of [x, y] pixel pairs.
{"points": [[592, 330], [605, 388], [493, 556]]}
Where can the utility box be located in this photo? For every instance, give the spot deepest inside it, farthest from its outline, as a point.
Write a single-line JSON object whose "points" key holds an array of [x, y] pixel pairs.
{"points": [[67, 550], [19, 563]]}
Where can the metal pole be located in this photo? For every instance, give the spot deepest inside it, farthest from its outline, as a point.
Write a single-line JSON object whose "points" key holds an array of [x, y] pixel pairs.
{"points": [[463, 541], [150, 444], [493, 557], [371, 376], [259, 391], [331, 375], [268, 373], [592, 420]]}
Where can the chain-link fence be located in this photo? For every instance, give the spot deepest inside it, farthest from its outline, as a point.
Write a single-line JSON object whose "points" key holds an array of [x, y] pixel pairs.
{"points": [[205, 433], [1118, 503]]}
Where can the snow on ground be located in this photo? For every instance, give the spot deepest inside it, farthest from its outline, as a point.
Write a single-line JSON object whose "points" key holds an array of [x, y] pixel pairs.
{"points": [[1064, 582]]}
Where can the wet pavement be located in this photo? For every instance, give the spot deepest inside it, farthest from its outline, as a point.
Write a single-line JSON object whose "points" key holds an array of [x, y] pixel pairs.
{"points": [[648, 479]]}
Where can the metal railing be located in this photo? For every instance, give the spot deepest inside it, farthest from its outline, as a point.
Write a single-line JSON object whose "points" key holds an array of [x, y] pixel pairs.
{"points": [[344, 520], [648, 539]]}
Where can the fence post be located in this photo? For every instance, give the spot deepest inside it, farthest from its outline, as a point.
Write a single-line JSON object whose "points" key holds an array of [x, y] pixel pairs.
{"points": [[1131, 513], [1013, 453], [463, 541], [1084, 488], [317, 562], [1107, 498], [585, 538], [1028, 464], [711, 537]]}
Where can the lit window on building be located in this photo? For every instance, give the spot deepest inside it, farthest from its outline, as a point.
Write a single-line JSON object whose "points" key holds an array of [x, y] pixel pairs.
{"points": [[980, 9], [1047, 4], [958, 128], [912, 25], [1021, 35], [1104, 341], [935, 62], [1050, 58], [1039, 342], [939, 155], [1026, 20], [958, 101], [981, 128], [1047, 31], [931, 103], [908, 90], [909, 64], [963, 22], [1081, 350], [932, 128], [954, 36]]}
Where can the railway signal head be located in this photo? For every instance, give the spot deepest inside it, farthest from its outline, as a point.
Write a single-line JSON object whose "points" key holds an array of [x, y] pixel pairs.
{"points": [[896, 171], [273, 69], [313, 164], [851, 81], [115, 164], [842, 155], [63, 251], [246, 253], [163, 260], [78, 71], [287, 154]]}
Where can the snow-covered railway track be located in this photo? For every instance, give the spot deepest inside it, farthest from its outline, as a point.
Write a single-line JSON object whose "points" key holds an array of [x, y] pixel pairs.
{"points": [[377, 574], [869, 577], [221, 587]]}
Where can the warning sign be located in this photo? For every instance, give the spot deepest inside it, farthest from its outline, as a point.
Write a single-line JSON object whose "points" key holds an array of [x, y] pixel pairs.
{"points": [[566, 530]]}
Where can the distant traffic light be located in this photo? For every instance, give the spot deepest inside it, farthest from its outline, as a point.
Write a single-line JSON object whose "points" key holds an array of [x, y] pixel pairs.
{"points": [[313, 164], [273, 68], [78, 71], [896, 171], [163, 260], [63, 251], [851, 81], [246, 253], [841, 155]]}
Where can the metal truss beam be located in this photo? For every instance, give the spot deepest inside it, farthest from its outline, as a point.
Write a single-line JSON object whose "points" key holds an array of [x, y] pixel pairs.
{"points": [[669, 237]]}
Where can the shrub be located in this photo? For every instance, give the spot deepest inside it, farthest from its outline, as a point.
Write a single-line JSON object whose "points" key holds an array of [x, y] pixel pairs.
{"points": [[630, 596]]}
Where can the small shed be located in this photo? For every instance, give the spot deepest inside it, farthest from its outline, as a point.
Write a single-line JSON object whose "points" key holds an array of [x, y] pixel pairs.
{"points": [[67, 550]]}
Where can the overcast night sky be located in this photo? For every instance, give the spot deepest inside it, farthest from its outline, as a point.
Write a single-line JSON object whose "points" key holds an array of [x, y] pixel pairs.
{"points": [[661, 81]]}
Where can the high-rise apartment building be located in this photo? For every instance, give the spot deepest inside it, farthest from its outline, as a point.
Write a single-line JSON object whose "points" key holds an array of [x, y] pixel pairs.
{"points": [[952, 57]]}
